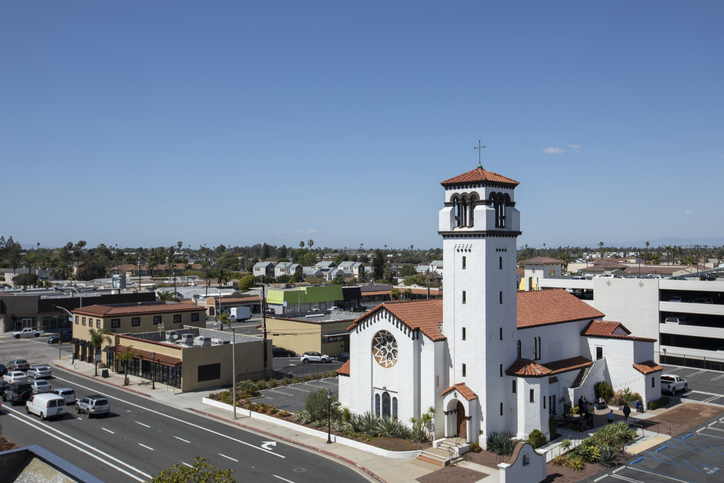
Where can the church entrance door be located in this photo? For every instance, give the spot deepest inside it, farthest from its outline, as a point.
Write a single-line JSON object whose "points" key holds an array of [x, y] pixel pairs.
{"points": [[462, 421], [386, 404]]}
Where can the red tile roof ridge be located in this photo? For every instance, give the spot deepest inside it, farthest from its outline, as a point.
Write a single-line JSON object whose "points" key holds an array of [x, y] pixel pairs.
{"points": [[543, 307], [479, 175], [424, 315], [463, 389], [541, 261], [647, 367], [344, 369]]}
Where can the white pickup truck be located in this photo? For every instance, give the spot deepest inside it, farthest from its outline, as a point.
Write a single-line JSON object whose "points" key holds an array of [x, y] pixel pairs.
{"points": [[28, 332], [673, 384]]}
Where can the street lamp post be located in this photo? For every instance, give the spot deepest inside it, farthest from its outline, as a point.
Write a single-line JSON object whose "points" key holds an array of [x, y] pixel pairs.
{"points": [[233, 368], [60, 341], [153, 370], [329, 416]]}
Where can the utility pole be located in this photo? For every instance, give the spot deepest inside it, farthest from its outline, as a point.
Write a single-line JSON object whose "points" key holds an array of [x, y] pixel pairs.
{"points": [[263, 327], [233, 367]]}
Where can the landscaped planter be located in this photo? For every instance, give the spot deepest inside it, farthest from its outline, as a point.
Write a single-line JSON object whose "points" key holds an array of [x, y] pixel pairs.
{"points": [[314, 432]]}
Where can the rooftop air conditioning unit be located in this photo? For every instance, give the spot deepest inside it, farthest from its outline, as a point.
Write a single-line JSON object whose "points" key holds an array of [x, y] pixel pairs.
{"points": [[187, 339], [202, 341], [171, 336], [219, 342]]}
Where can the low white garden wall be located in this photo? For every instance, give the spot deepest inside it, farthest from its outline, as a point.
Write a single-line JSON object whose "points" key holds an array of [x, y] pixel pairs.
{"points": [[313, 432]]}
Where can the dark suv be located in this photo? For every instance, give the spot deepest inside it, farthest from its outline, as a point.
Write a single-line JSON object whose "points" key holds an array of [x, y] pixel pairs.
{"points": [[18, 393]]}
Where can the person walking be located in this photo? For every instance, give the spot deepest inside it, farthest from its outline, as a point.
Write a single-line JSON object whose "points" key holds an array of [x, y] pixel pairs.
{"points": [[609, 417], [581, 407], [626, 413], [589, 413]]}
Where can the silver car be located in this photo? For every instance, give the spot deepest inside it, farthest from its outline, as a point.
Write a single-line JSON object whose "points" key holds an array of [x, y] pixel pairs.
{"points": [[39, 372], [66, 393], [93, 406], [40, 386]]}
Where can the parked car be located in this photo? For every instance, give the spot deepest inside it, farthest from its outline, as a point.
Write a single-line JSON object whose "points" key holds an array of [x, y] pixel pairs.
{"points": [[15, 376], [675, 298], [672, 384], [676, 320], [28, 332], [18, 365], [336, 308], [18, 392], [66, 393], [270, 311], [40, 386], [702, 300], [39, 372], [282, 352], [707, 276], [3, 370], [343, 357], [359, 308], [65, 336], [46, 406], [93, 406], [678, 277], [311, 356], [4, 385]]}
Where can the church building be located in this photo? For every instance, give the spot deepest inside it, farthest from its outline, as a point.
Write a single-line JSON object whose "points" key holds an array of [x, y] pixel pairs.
{"points": [[487, 359]]}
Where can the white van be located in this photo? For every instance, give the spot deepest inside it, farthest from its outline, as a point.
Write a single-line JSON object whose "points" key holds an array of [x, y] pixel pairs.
{"points": [[46, 405]]}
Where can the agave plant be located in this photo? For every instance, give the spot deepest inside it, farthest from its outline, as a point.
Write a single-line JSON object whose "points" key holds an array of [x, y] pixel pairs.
{"points": [[502, 443], [566, 444], [609, 456], [576, 463]]}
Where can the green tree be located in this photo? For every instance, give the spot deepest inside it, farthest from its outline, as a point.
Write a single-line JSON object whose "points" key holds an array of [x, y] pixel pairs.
{"points": [[265, 252], [317, 405], [125, 357], [168, 296], [308, 260], [378, 265], [341, 257], [310, 243], [407, 270], [223, 319], [97, 338], [91, 270], [201, 472], [395, 294], [282, 252], [25, 279], [247, 282]]}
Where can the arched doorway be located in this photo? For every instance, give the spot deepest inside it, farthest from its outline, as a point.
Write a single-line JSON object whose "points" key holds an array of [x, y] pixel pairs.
{"points": [[462, 421], [386, 404]]}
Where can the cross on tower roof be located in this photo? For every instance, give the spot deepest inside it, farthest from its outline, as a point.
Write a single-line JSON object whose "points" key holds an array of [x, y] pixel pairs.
{"points": [[480, 165]]}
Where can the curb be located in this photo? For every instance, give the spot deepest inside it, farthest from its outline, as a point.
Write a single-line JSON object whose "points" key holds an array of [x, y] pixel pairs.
{"points": [[126, 388], [289, 440]]}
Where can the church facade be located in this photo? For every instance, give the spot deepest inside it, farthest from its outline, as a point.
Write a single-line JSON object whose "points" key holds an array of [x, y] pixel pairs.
{"points": [[486, 358]]}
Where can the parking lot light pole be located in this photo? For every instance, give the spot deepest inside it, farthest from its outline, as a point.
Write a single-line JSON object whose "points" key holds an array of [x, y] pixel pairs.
{"points": [[329, 416], [233, 368], [153, 370], [60, 340]]}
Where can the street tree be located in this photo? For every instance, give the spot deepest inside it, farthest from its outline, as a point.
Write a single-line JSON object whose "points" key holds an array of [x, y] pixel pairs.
{"points": [[378, 265], [200, 472], [97, 338], [125, 357]]}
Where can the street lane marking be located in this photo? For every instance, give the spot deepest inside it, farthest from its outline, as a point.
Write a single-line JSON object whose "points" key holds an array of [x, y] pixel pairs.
{"points": [[181, 439], [147, 447], [173, 418], [229, 458], [284, 479], [696, 373], [268, 444], [35, 425], [717, 378], [184, 463], [104, 429], [146, 425]]}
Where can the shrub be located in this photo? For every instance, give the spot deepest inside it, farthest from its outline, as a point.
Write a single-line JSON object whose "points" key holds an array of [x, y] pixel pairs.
{"points": [[663, 401], [306, 378], [346, 415], [247, 389], [295, 379], [273, 383], [501, 443], [317, 405], [316, 376], [285, 381], [566, 444], [303, 417], [574, 410], [560, 460], [261, 384], [604, 390], [284, 413], [609, 456], [575, 463], [536, 438], [553, 427], [475, 448]]}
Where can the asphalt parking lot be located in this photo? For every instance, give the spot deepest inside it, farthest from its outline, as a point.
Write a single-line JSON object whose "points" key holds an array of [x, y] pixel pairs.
{"points": [[704, 385], [292, 397]]}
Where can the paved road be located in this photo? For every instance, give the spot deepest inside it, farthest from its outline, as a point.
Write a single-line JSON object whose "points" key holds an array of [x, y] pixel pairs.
{"points": [[142, 437]]}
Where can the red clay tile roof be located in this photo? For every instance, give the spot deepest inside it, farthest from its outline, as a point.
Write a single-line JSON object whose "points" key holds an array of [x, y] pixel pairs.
{"points": [[425, 315], [137, 309], [602, 328], [647, 367], [344, 370], [148, 356], [542, 307], [541, 261], [464, 391], [479, 175], [528, 368]]}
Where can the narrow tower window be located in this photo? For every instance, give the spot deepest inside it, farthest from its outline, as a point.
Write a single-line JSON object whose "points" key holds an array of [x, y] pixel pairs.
{"points": [[464, 263], [501, 333], [464, 334], [465, 370], [519, 349], [464, 297], [500, 259], [501, 296]]}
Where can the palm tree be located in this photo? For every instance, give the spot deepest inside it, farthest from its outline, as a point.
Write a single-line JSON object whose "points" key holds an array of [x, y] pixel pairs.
{"points": [[97, 338], [127, 356], [223, 319], [395, 294]]}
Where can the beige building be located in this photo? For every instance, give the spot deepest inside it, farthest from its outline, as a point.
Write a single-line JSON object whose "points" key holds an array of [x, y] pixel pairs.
{"points": [[325, 333], [130, 318], [166, 359]]}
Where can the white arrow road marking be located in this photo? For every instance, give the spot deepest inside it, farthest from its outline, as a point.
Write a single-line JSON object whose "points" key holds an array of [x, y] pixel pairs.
{"points": [[95, 391], [66, 439], [268, 445]]}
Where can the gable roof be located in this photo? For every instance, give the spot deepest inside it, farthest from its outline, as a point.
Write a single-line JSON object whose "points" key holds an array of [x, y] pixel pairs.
{"points": [[119, 310], [529, 368], [479, 175], [543, 307], [611, 330], [425, 315], [464, 391], [541, 261], [344, 370]]}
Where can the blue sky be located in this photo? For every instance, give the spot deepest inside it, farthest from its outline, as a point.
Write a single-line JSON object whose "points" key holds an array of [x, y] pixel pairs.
{"points": [[145, 123]]}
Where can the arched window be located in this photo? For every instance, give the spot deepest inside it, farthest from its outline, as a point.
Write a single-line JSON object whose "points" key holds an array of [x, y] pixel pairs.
{"points": [[537, 348], [464, 211], [457, 211], [394, 407], [386, 404], [471, 210], [377, 405], [519, 349], [500, 201]]}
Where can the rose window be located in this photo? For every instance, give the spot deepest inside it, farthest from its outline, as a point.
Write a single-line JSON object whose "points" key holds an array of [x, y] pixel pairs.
{"points": [[384, 348]]}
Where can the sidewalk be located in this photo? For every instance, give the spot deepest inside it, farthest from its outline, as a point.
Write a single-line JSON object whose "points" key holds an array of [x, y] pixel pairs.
{"points": [[375, 467]]}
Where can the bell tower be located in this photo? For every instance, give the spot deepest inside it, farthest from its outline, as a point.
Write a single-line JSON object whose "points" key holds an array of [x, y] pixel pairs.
{"points": [[480, 225]]}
